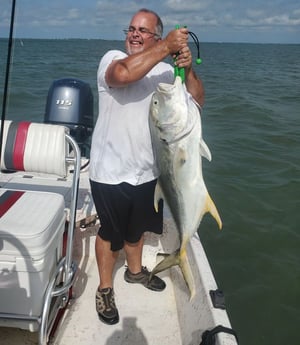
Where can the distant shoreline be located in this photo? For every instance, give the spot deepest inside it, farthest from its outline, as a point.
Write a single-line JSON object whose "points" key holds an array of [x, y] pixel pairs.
{"points": [[115, 40]]}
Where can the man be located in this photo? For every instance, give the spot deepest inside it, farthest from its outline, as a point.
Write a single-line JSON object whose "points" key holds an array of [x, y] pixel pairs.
{"points": [[122, 168]]}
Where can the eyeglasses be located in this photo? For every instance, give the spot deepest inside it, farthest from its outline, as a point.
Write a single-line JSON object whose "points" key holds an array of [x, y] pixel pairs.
{"points": [[142, 31]]}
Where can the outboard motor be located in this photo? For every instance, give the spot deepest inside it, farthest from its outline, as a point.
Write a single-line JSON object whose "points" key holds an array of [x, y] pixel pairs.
{"points": [[70, 103]]}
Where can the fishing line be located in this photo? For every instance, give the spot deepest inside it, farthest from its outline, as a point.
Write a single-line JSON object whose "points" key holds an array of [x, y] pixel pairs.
{"points": [[9, 49]]}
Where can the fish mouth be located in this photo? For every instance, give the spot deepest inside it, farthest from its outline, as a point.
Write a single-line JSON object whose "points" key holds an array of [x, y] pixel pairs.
{"points": [[165, 88], [168, 88]]}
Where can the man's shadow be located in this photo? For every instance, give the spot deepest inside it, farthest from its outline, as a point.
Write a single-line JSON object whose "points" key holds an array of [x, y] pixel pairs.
{"points": [[130, 334]]}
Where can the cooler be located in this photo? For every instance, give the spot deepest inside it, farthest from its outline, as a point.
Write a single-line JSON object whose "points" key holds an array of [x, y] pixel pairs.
{"points": [[32, 224]]}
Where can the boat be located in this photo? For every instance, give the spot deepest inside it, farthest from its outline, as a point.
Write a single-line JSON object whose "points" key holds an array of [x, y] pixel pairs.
{"points": [[48, 226], [65, 311]]}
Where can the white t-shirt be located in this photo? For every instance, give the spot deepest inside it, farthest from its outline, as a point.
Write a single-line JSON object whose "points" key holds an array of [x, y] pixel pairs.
{"points": [[121, 144]]}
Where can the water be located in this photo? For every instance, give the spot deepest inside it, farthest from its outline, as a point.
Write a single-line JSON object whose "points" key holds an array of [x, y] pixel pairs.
{"points": [[251, 124]]}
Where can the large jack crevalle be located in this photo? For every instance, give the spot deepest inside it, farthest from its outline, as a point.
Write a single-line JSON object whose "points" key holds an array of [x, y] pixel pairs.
{"points": [[178, 146]]}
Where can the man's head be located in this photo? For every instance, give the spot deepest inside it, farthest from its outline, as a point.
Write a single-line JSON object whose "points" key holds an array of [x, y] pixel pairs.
{"points": [[145, 30]]}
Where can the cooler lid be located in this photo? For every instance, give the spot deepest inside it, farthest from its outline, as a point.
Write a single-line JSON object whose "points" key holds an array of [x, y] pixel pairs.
{"points": [[29, 220]]}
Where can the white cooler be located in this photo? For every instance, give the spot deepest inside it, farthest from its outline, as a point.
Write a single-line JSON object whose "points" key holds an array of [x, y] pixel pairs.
{"points": [[31, 238]]}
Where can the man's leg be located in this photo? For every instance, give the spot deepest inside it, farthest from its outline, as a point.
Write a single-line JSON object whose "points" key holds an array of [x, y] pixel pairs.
{"points": [[134, 253], [135, 272], [106, 260], [105, 300]]}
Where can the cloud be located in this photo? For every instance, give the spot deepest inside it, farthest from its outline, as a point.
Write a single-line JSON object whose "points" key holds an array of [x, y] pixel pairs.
{"points": [[187, 5], [106, 19], [73, 13], [260, 18]]}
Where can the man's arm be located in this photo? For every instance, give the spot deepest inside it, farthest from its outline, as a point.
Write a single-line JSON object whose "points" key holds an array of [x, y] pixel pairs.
{"points": [[195, 87], [134, 67]]}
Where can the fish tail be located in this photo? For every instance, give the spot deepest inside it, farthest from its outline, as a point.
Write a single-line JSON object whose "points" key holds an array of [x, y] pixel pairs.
{"points": [[179, 257], [211, 208]]}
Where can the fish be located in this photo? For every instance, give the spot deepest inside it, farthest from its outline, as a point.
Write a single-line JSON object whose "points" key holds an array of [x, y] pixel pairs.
{"points": [[178, 148]]}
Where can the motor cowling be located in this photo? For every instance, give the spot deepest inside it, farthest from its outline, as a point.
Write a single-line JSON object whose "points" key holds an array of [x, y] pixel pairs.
{"points": [[70, 103]]}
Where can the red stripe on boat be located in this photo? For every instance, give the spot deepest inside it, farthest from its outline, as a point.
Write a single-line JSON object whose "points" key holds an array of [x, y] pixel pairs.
{"points": [[19, 147], [8, 199]]}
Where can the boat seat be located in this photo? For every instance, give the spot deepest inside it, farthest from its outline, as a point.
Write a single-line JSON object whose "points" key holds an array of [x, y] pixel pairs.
{"points": [[36, 267], [34, 147]]}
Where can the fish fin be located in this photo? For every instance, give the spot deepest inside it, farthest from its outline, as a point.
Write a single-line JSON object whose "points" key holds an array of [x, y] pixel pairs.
{"points": [[179, 258], [169, 261], [204, 150], [158, 195], [187, 273], [211, 208]]}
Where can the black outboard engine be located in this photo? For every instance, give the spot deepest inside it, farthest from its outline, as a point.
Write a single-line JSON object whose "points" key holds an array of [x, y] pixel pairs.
{"points": [[70, 103]]}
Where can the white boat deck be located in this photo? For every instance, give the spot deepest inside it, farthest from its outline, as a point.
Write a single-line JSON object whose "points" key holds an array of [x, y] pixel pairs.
{"points": [[146, 317], [137, 306]]}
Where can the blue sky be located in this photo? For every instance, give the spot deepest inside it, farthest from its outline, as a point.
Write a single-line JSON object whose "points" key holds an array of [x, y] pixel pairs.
{"points": [[256, 21]]}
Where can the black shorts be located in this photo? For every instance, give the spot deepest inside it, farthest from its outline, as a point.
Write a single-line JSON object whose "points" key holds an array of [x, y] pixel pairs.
{"points": [[126, 212]]}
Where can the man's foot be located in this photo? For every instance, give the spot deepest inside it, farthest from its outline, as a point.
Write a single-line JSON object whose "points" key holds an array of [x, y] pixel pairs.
{"points": [[106, 307], [155, 284]]}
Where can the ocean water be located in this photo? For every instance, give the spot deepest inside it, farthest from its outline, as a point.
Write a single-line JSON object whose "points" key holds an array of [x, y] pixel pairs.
{"points": [[251, 122]]}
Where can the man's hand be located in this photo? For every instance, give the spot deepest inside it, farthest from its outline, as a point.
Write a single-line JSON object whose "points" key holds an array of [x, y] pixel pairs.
{"points": [[176, 40], [184, 58]]}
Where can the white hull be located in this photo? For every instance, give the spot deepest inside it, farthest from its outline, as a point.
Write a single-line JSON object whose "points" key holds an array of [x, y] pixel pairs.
{"points": [[146, 317]]}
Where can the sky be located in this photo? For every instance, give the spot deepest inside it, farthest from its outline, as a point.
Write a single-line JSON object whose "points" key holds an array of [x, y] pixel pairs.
{"points": [[256, 21]]}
